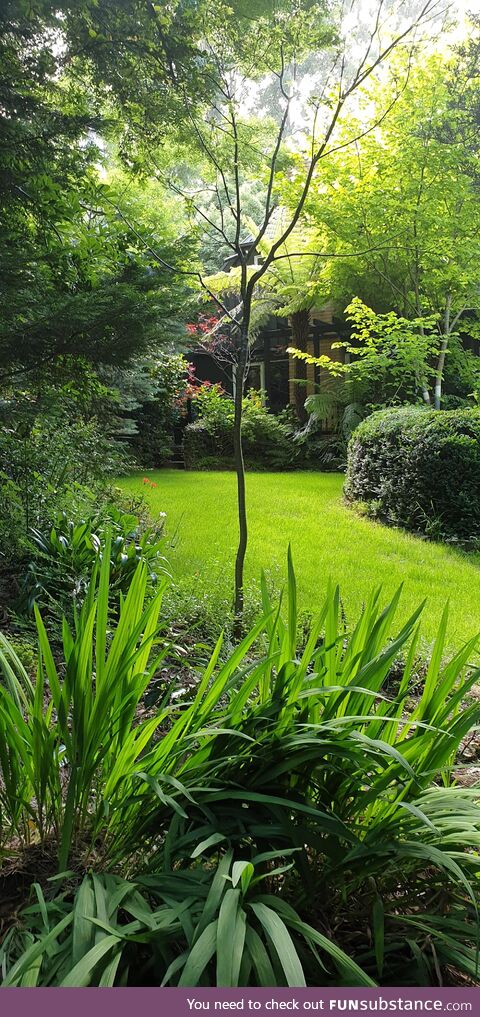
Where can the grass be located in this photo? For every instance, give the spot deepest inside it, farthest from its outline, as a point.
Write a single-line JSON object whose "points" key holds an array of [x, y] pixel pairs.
{"points": [[327, 538]]}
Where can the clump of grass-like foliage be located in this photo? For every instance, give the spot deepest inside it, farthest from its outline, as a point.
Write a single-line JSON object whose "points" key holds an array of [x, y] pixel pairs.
{"points": [[289, 824]]}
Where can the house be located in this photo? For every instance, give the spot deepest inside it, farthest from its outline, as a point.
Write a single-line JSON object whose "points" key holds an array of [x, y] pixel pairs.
{"points": [[285, 380]]}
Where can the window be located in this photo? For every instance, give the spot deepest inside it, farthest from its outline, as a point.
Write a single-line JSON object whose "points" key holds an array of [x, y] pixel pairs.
{"points": [[256, 376]]}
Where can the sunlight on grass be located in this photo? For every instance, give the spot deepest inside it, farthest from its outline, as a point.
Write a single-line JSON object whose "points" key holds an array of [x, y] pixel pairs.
{"points": [[327, 539]]}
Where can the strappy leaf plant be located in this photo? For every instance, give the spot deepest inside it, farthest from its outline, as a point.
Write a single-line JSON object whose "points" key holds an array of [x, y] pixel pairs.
{"points": [[61, 735], [325, 792]]}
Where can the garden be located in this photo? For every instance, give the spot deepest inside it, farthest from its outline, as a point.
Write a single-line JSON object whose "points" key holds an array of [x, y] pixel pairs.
{"points": [[239, 495]]}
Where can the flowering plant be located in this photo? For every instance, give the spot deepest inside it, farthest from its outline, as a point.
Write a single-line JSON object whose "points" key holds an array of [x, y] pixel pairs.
{"points": [[210, 336]]}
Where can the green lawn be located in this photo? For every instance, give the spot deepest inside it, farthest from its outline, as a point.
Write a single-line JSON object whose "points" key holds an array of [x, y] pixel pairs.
{"points": [[327, 539]]}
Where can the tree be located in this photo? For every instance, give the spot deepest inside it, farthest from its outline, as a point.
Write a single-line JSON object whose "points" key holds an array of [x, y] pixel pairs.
{"points": [[75, 285], [149, 55], [42, 167], [239, 46], [225, 159], [293, 285], [407, 195]]}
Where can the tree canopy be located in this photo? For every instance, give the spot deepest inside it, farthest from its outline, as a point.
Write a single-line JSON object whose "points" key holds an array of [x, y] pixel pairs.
{"points": [[400, 208]]}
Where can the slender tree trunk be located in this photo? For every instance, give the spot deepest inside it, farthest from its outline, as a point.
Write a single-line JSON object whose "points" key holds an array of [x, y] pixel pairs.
{"points": [[439, 371], [418, 303], [425, 392], [442, 353], [300, 325], [240, 471], [423, 380]]}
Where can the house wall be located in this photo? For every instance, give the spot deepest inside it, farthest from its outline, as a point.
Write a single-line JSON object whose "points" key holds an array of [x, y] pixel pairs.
{"points": [[272, 365], [318, 378]]}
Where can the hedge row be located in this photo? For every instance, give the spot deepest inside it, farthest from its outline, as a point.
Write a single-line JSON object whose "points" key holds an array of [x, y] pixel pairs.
{"points": [[275, 447]]}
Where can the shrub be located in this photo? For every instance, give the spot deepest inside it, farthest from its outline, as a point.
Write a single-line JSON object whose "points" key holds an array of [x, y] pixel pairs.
{"points": [[267, 441], [208, 442], [63, 557], [288, 804], [420, 469], [69, 735], [47, 465], [158, 413]]}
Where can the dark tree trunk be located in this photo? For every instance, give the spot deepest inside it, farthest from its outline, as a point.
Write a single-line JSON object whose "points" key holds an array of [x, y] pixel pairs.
{"points": [[241, 500], [300, 325]]}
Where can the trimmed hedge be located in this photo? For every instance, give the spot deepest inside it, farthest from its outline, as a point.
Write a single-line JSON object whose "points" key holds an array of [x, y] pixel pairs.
{"points": [[419, 469]]}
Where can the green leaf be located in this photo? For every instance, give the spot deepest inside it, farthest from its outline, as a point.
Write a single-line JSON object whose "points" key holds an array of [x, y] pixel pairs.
{"points": [[31, 955], [83, 936], [230, 939], [281, 939], [200, 956], [242, 871], [83, 972], [215, 838], [260, 959]]}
